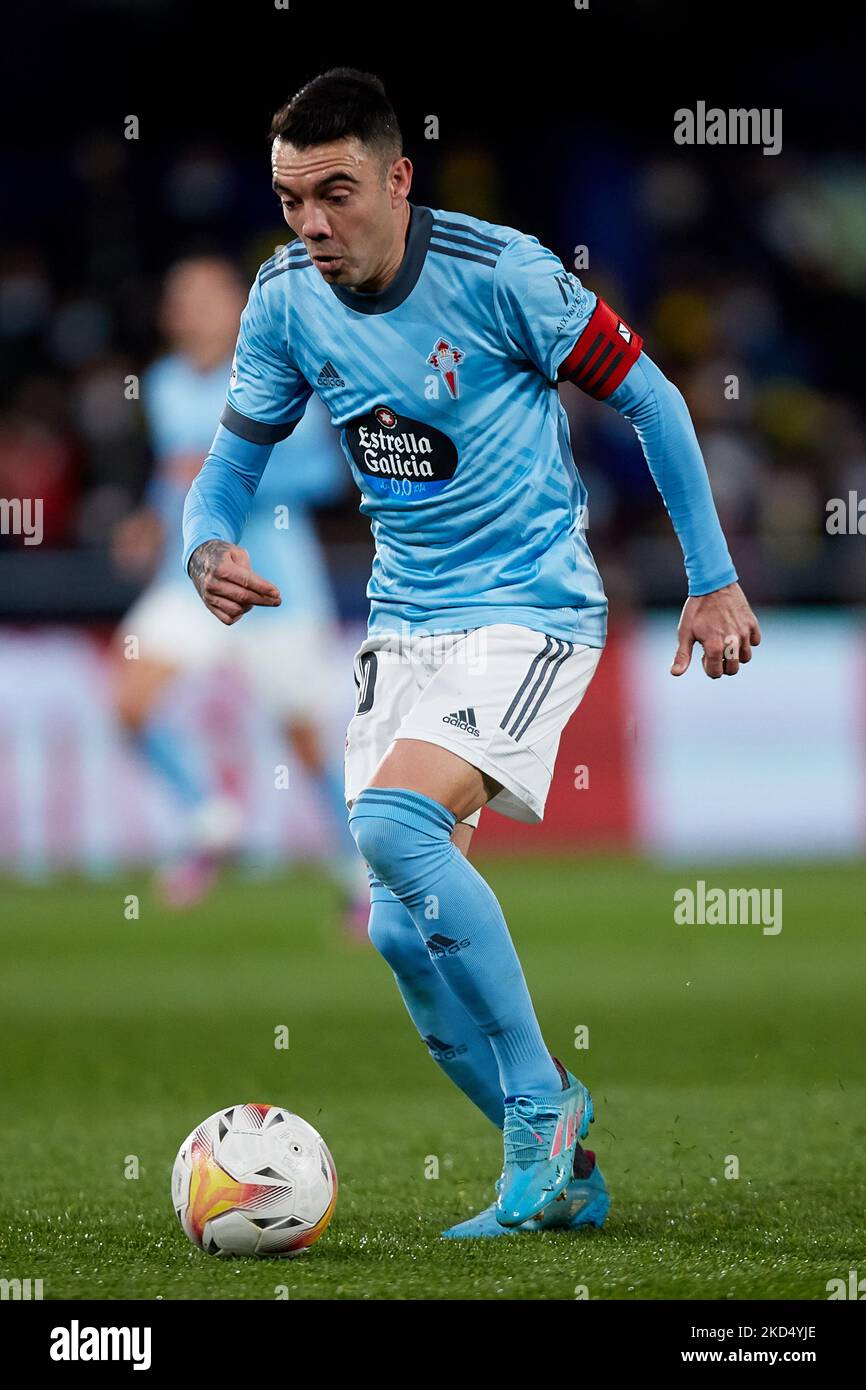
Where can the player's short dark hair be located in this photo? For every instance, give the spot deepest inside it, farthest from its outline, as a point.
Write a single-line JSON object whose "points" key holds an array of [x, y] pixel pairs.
{"points": [[337, 105]]}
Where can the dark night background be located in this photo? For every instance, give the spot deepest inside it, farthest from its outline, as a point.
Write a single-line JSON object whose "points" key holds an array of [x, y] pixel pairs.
{"points": [[726, 260]]}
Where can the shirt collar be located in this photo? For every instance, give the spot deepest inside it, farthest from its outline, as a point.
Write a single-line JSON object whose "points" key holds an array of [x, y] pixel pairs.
{"points": [[381, 301]]}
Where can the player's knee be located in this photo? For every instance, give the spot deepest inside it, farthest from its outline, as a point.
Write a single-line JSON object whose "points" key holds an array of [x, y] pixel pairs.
{"points": [[374, 836], [402, 842]]}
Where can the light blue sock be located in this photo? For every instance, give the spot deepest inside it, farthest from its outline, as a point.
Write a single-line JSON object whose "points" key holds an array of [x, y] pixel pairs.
{"points": [[175, 758], [405, 837], [449, 1034]]}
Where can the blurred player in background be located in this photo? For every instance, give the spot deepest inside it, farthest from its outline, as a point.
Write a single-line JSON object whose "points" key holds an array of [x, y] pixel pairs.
{"points": [[182, 393]]}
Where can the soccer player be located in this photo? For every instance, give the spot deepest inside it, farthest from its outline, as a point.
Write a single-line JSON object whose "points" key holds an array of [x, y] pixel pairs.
{"points": [[182, 392], [438, 340]]}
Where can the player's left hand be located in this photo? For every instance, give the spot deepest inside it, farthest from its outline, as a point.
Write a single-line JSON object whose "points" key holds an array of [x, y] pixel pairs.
{"points": [[726, 628]]}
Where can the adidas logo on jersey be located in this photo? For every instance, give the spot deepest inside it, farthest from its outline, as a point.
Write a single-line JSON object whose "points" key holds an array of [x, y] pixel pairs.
{"points": [[329, 376], [464, 720]]}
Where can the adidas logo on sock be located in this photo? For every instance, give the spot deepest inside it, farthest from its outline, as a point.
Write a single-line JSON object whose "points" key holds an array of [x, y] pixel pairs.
{"points": [[443, 1050], [464, 720], [439, 945], [329, 376]]}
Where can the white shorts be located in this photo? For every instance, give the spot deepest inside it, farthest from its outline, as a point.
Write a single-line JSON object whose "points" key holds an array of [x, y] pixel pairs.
{"points": [[498, 696], [283, 663]]}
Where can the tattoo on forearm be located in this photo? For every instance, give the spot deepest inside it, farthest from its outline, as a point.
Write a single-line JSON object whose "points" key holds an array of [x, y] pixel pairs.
{"points": [[204, 560]]}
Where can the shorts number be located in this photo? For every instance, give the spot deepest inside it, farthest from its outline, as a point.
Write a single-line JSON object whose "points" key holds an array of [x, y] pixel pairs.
{"points": [[367, 684]]}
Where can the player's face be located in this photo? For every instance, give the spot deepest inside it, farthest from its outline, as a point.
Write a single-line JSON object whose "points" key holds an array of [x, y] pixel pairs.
{"points": [[201, 307], [334, 197]]}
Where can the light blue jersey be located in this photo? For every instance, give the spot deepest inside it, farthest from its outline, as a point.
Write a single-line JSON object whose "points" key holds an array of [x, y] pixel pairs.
{"points": [[444, 388], [180, 404]]}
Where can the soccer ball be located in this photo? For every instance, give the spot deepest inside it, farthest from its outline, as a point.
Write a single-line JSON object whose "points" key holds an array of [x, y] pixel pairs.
{"points": [[254, 1180]]}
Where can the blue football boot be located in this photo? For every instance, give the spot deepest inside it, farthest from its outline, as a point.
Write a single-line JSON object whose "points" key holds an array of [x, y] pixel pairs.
{"points": [[583, 1202], [540, 1136]]}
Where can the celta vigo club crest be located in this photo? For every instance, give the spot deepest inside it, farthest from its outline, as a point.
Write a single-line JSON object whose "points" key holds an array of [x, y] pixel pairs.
{"points": [[446, 358]]}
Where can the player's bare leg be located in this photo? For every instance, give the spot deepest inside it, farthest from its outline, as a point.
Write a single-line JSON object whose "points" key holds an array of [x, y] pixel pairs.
{"points": [[140, 687], [435, 772]]}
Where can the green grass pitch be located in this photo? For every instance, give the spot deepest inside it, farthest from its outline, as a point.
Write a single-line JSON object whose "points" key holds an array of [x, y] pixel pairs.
{"points": [[119, 1035]]}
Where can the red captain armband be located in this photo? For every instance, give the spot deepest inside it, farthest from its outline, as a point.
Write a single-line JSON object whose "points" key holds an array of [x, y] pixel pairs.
{"points": [[603, 353]]}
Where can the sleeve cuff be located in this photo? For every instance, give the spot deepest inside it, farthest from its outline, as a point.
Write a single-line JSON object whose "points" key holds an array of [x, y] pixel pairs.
{"points": [[697, 587]]}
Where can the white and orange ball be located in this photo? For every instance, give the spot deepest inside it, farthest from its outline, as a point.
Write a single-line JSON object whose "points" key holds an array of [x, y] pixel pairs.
{"points": [[254, 1180]]}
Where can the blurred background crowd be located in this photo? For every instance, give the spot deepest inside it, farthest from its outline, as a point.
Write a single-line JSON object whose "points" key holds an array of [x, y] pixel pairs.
{"points": [[747, 282], [139, 140]]}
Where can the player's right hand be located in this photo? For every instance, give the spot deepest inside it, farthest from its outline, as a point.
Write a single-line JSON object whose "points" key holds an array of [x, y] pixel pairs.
{"points": [[224, 577]]}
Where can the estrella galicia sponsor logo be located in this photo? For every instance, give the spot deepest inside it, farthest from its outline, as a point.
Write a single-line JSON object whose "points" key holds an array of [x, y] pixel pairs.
{"points": [[400, 457], [439, 945], [444, 1051], [464, 720]]}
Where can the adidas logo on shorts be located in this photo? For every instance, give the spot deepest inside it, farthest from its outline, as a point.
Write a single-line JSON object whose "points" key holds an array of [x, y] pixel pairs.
{"points": [[464, 720]]}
